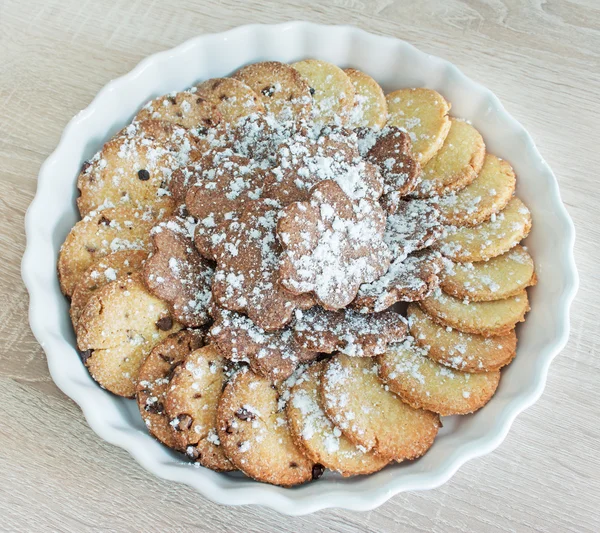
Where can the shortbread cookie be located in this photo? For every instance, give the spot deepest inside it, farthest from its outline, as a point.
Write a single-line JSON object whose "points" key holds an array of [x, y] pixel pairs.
{"points": [[232, 98], [423, 114], [183, 109], [97, 235], [370, 415], [370, 107], [283, 91], [332, 245], [191, 406], [154, 378], [253, 430], [425, 384], [323, 442], [458, 350], [332, 91], [456, 164], [500, 277], [347, 331], [246, 278], [114, 266], [482, 318], [274, 355], [491, 238], [488, 194]]}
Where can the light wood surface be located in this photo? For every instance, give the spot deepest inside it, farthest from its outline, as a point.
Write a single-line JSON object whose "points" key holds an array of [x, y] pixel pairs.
{"points": [[542, 58]]}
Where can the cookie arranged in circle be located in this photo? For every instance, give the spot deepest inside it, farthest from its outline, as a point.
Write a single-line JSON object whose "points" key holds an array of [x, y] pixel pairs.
{"points": [[370, 107], [462, 351], [372, 416], [488, 194], [323, 442], [154, 379], [347, 331], [232, 98], [333, 93], [500, 277], [254, 432], [425, 384], [456, 164], [97, 235], [491, 238], [191, 406], [497, 317], [332, 245], [423, 114]]}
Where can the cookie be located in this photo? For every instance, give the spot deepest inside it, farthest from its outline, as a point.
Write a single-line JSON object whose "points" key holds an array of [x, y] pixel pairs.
{"points": [[113, 266], [246, 278], [177, 274], [273, 355], [423, 114], [488, 194], [500, 277], [456, 164], [281, 88], [458, 350], [254, 433], [370, 415], [97, 235], [370, 107], [425, 384], [323, 442], [481, 318], [232, 98], [332, 245], [191, 406], [154, 378], [333, 93], [491, 238]]}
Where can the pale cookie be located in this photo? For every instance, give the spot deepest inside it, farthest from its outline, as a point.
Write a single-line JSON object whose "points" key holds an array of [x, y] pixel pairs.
{"points": [[323, 442], [97, 235], [332, 91], [488, 194], [456, 164], [458, 350], [114, 266], [370, 107], [371, 416], [191, 406], [491, 238], [425, 384], [253, 429], [154, 378], [500, 277], [232, 98], [283, 91], [423, 114], [482, 318]]}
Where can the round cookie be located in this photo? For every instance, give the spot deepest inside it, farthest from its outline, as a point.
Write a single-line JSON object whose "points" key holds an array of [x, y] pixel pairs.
{"points": [[425, 384], [500, 277], [370, 107], [254, 432], [323, 442], [423, 114], [458, 350], [332, 91], [97, 235], [481, 318], [371, 416], [456, 164], [491, 238], [154, 378], [489, 193], [232, 98], [191, 406]]}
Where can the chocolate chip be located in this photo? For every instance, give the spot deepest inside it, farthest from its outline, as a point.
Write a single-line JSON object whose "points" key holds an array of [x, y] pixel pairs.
{"points": [[223, 97], [317, 471], [229, 430], [293, 465], [85, 166], [104, 220], [202, 131], [156, 408], [193, 453], [197, 395], [143, 174], [179, 114], [199, 100], [172, 99], [165, 323], [243, 414], [185, 422], [85, 355], [90, 249], [268, 91], [312, 90]]}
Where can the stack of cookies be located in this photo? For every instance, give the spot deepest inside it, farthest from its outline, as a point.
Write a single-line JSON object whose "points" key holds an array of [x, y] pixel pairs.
{"points": [[246, 251]]}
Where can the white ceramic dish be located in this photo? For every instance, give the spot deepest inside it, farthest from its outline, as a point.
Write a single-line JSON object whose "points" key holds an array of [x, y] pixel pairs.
{"points": [[394, 64]]}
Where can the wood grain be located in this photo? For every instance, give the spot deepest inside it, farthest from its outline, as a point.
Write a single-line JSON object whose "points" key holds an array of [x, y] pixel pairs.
{"points": [[542, 58]]}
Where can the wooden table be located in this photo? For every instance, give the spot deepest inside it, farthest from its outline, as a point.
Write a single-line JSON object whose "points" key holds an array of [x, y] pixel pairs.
{"points": [[542, 58]]}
